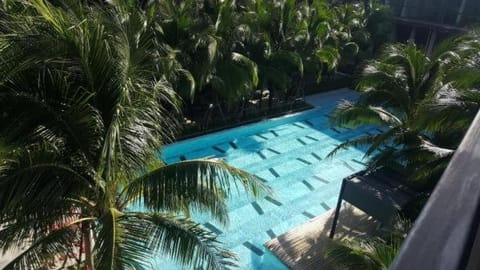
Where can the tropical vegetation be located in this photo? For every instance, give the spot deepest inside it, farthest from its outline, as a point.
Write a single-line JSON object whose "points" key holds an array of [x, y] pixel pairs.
{"points": [[374, 253], [90, 90], [422, 105], [224, 52], [85, 106]]}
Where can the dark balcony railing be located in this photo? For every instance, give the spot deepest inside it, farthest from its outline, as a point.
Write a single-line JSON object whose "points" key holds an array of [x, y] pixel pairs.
{"points": [[445, 235]]}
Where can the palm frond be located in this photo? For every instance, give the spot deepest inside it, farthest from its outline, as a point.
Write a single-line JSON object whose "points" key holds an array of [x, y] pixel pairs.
{"points": [[35, 176], [138, 103], [183, 240], [200, 185], [357, 142], [252, 66], [464, 78], [282, 58], [385, 138], [430, 168], [234, 78], [437, 151], [328, 55], [389, 157], [375, 253], [384, 84], [120, 244], [354, 114], [52, 113], [353, 255], [212, 49], [38, 254], [190, 89], [450, 109]]}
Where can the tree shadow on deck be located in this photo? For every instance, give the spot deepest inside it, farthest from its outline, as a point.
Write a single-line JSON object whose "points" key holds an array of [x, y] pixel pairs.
{"points": [[303, 247]]}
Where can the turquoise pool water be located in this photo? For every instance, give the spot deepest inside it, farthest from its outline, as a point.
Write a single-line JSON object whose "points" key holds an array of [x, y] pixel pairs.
{"points": [[288, 153]]}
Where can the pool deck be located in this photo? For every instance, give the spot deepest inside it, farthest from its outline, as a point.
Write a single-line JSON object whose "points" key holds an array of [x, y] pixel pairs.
{"points": [[317, 100], [303, 247]]}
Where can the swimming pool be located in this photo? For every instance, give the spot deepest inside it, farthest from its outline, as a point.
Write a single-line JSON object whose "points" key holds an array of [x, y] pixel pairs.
{"points": [[288, 153]]}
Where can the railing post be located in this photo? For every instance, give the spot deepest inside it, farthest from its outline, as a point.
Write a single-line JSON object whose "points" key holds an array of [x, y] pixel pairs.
{"points": [[337, 210]]}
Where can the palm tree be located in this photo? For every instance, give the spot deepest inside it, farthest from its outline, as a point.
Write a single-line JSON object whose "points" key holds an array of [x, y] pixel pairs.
{"points": [[423, 105], [448, 112], [205, 37], [275, 31], [455, 104], [85, 105], [288, 37], [392, 89], [379, 24], [374, 253]]}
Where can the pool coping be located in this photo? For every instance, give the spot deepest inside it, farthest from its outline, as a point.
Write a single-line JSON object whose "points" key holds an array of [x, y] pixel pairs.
{"points": [[312, 100]]}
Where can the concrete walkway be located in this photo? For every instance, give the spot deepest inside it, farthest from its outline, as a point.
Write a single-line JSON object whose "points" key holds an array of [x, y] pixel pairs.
{"points": [[320, 98], [302, 248]]}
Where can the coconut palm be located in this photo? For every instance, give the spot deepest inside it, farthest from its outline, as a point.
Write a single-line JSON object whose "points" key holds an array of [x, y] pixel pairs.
{"points": [[275, 30], [379, 24], [448, 112], [346, 33], [340, 34], [424, 105], [205, 37], [372, 254], [84, 108], [375, 253], [455, 104], [392, 88]]}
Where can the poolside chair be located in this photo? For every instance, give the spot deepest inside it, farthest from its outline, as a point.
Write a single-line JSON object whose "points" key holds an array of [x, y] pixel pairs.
{"points": [[380, 194]]}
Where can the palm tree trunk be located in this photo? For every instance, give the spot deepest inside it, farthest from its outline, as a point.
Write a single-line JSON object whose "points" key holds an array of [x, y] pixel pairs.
{"points": [[366, 4], [270, 99], [82, 249], [405, 8], [87, 235], [460, 12]]}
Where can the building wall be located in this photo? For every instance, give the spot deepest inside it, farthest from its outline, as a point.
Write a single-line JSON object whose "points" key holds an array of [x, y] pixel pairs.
{"points": [[427, 22], [432, 20], [451, 12]]}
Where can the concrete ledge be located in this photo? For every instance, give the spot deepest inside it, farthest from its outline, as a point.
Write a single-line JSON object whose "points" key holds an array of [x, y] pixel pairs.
{"points": [[320, 98]]}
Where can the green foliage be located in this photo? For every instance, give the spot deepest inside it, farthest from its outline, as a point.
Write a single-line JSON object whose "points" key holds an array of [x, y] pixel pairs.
{"points": [[284, 39], [422, 104], [89, 92], [86, 102], [374, 253]]}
